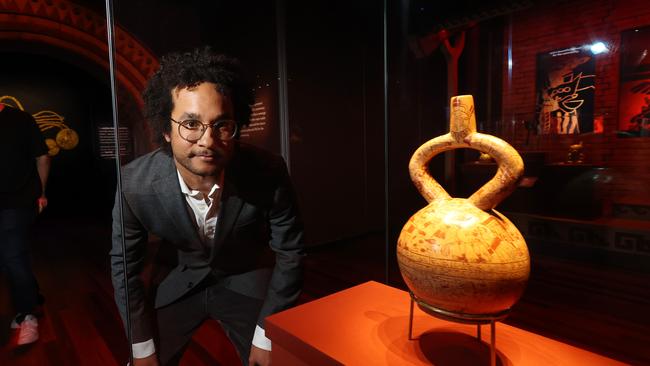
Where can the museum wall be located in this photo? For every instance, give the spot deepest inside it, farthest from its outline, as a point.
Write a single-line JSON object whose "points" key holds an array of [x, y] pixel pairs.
{"points": [[335, 99], [554, 25]]}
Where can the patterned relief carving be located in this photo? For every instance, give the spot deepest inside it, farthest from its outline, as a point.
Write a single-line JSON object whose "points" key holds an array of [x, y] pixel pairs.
{"points": [[586, 235], [643, 246], [542, 230], [53, 21], [627, 241], [579, 234], [636, 212]]}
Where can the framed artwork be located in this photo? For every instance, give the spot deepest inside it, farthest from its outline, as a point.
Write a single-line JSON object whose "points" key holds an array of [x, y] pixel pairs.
{"points": [[565, 91], [634, 92]]}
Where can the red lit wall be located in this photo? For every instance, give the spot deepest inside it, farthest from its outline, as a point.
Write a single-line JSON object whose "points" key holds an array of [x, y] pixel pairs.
{"points": [[562, 24]]}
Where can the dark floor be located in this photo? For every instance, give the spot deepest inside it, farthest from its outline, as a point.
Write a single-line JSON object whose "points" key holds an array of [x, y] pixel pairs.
{"points": [[598, 307], [80, 325]]}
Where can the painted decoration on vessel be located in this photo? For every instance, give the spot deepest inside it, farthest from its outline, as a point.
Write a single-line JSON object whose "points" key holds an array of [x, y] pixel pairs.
{"points": [[461, 255]]}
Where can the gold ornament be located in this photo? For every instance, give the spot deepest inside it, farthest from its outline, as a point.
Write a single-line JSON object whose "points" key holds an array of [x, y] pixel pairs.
{"points": [[575, 155], [52, 146], [485, 158], [67, 139]]}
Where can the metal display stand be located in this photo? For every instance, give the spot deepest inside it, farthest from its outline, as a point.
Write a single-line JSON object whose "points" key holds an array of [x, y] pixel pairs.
{"points": [[478, 319]]}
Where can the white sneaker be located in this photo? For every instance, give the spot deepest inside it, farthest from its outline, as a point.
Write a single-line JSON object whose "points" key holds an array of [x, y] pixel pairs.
{"points": [[27, 330], [14, 322]]}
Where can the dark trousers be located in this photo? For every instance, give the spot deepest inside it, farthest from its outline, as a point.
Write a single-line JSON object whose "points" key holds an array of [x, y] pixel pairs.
{"points": [[15, 260], [236, 313]]}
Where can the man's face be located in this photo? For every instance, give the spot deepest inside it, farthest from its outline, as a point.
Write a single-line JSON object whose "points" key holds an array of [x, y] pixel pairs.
{"points": [[209, 155]]}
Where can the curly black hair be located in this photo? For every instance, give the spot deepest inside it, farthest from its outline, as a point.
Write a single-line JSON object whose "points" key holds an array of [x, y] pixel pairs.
{"points": [[188, 69]]}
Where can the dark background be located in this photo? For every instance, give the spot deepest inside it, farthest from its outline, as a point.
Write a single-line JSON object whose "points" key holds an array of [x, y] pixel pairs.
{"points": [[79, 183]]}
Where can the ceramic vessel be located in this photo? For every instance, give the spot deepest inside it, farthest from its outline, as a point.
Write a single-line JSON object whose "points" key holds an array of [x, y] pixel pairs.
{"points": [[460, 255], [575, 155]]}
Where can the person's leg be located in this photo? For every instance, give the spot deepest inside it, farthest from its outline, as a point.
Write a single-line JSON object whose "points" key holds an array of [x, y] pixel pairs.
{"points": [[237, 314], [176, 325], [15, 258]]}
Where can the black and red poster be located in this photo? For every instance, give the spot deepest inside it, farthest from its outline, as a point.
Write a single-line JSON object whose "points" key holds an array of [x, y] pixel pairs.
{"points": [[565, 91], [634, 94]]}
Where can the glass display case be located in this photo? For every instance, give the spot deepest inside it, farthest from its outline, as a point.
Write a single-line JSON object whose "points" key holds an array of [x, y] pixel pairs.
{"points": [[345, 92], [562, 82]]}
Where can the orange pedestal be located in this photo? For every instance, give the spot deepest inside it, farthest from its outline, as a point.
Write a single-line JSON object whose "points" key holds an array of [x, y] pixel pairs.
{"points": [[368, 325]]}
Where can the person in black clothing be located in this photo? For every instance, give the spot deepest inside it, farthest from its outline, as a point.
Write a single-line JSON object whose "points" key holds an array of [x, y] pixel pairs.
{"points": [[25, 167]]}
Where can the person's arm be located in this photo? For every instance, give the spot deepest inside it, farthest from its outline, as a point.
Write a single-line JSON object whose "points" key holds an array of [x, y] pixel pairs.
{"points": [[135, 240], [37, 147], [151, 360], [43, 163], [286, 281]]}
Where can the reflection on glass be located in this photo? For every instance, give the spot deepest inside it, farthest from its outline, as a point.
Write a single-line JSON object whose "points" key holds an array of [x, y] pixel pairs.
{"points": [[566, 92]]}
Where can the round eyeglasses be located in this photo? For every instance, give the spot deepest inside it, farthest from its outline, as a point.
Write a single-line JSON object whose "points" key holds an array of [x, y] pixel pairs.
{"points": [[192, 130]]}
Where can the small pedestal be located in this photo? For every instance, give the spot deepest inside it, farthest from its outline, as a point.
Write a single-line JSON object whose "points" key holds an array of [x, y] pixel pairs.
{"points": [[478, 319], [365, 325]]}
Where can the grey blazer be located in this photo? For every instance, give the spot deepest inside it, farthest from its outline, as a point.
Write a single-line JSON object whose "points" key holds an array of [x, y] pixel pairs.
{"points": [[257, 250]]}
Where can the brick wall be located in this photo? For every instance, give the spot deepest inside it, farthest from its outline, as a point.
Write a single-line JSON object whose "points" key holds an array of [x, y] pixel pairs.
{"points": [[566, 23]]}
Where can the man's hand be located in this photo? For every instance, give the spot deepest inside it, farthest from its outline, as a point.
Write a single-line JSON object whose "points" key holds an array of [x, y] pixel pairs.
{"points": [[42, 203], [147, 361], [259, 357]]}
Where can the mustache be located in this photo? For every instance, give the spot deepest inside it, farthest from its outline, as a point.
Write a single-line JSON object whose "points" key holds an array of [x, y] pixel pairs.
{"points": [[207, 152]]}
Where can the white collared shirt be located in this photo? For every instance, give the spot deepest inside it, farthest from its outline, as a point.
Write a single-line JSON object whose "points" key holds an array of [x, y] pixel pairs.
{"points": [[205, 208], [206, 214]]}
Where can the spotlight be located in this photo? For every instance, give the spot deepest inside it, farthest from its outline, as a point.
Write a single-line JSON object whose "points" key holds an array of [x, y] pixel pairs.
{"points": [[598, 47]]}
